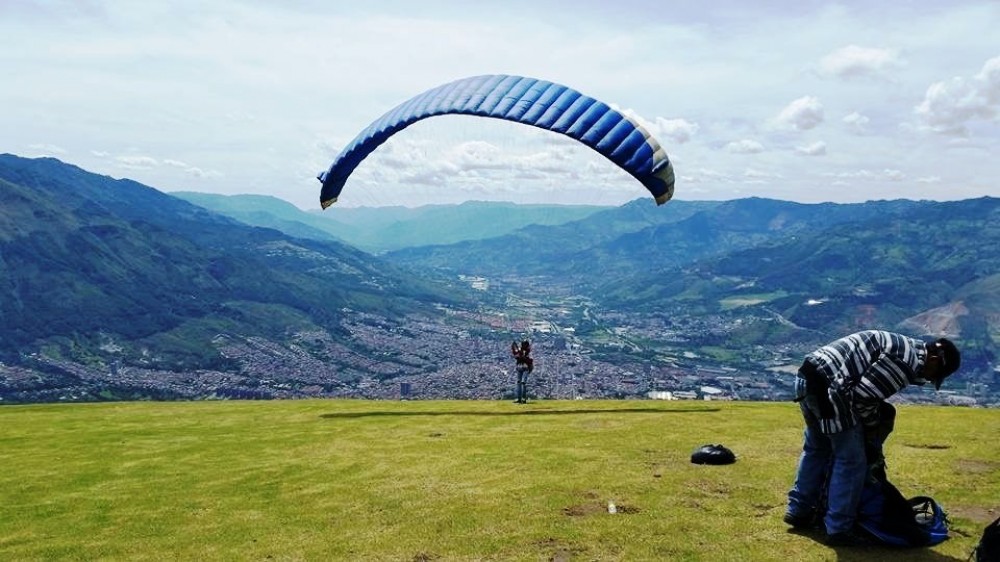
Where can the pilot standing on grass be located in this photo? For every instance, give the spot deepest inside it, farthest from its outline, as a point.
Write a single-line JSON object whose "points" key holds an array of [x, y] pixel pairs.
{"points": [[840, 389], [524, 365]]}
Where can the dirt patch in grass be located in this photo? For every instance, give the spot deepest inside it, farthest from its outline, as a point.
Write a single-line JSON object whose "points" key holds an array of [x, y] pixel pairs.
{"points": [[928, 446], [593, 506], [974, 513], [764, 509], [692, 504], [976, 466], [559, 550], [425, 557], [561, 556], [711, 488], [583, 509]]}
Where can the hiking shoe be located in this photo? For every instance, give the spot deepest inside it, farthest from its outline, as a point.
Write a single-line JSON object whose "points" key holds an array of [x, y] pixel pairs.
{"points": [[847, 538], [799, 521]]}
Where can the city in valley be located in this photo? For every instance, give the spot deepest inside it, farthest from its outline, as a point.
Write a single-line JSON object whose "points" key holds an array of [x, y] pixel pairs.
{"points": [[580, 352]]}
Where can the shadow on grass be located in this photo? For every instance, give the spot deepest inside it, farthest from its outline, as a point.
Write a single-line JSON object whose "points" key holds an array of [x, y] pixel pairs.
{"points": [[866, 553], [513, 412]]}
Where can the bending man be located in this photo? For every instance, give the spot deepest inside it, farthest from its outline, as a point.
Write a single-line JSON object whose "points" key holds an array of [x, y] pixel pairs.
{"points": [[840, 388]]}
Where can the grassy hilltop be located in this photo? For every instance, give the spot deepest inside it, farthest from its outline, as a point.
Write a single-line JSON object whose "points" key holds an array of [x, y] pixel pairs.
{"points": [[449, 480]]}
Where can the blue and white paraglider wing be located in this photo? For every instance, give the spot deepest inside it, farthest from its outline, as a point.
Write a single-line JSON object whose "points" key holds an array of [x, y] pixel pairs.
{"points": [[539, 103]]}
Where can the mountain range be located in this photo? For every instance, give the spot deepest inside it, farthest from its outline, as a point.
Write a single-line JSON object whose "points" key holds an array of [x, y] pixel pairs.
{"points": [[100, 272], [931, 267], [89, 262]]}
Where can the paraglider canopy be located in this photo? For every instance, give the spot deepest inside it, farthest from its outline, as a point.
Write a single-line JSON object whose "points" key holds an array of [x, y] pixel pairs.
{"points": [[529, 101]]}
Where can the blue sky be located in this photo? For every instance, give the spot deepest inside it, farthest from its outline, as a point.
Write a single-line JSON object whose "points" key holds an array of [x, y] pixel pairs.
{"points": [[801, 100]]}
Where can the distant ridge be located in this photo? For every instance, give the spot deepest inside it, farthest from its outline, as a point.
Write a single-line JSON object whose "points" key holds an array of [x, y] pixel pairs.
{"points": [[383, 229]]}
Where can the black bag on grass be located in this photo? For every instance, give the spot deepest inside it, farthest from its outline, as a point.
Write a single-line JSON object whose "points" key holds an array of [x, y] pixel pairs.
{"points": [[713, 454]]}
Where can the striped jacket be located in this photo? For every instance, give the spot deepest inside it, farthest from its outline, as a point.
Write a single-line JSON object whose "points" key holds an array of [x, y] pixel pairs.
{"points": [[858, 372]]}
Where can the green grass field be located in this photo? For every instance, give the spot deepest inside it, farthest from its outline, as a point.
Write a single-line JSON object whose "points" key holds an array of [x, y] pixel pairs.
{"points": [[449, 480]]}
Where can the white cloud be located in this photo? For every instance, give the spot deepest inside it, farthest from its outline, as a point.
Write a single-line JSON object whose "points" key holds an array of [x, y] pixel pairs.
{"points": [[802, 114], [191, 170], [745, 146], [478, 156], [706, 175], [759, 176], [136, 162], [678, 130], [856, 122], [858, 174], [853, 61], [817, 148], [145, 163], [950, 106], [893, 175], [431, 178], [887, 174], [47, 149]]}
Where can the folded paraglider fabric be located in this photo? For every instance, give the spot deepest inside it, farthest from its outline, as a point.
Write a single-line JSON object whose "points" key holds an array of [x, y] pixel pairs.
{"points": [[713, 454]]}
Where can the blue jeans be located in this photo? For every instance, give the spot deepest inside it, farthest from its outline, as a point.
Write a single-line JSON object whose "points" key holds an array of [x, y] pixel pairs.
{"points": [[522, 383], [842, 456]]}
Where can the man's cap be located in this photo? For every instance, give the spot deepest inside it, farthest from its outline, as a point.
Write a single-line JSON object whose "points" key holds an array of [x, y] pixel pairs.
{"points": [[951, 359]]}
